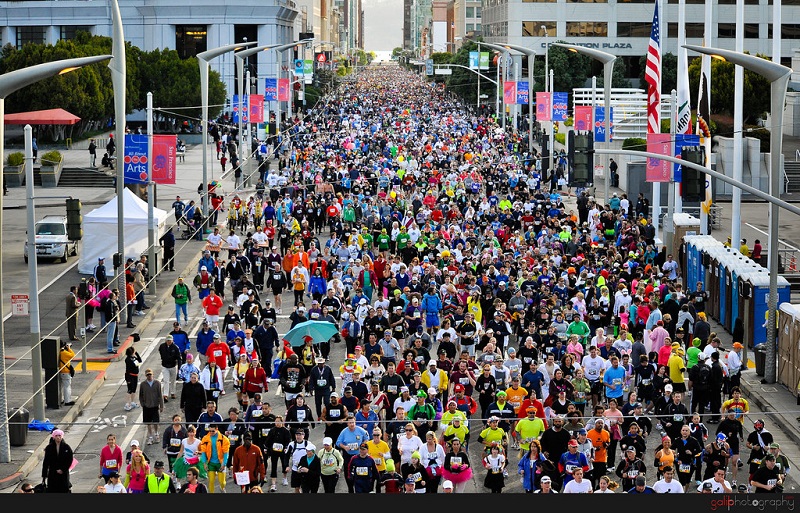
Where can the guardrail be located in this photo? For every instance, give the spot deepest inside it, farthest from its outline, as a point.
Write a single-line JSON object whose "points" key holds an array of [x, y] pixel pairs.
{"points": [[714, 216]]}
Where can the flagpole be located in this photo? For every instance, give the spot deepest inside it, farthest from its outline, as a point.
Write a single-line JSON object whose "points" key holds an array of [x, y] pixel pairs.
{"points": [[738, 88], [684, 112], [657, 128], [706, 70]]}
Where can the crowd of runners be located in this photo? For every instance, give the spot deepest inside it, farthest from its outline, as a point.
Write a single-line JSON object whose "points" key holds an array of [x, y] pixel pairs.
{"points": [[473, 308]]}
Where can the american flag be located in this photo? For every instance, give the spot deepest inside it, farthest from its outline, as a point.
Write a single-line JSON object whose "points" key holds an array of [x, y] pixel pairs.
{"points": [[652, 76]]}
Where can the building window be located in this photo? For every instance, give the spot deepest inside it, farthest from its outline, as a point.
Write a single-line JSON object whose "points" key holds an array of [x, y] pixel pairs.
{"points": [[477, 28], [477, 12], [191, 40], [692, 30], [538, 1], [471, 13], [534, 28], [589, 1], [471, 27], [35, 35], [634, 29], [587, 28], [69, 31], [790, 31], [728, 30]]}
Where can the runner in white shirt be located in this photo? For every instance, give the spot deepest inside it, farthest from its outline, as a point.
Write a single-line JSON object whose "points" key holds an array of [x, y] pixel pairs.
{"points": [[718, 483], [578, 484], [668, 484]]}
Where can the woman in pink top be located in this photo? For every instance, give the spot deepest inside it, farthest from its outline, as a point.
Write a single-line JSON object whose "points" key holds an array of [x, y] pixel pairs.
{"points": [[614, 420], [137, 473], [657, 336], [110, 458]]}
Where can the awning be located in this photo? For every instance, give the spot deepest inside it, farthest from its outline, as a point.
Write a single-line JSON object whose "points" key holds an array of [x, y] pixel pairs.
{"points": [[42, 117]]}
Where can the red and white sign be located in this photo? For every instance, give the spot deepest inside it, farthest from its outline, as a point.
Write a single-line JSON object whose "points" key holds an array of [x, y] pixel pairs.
{"points": [[321, 57], [20, 304]]}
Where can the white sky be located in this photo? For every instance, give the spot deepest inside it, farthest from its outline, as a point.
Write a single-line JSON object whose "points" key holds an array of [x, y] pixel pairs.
{"points": [[383, 24]]}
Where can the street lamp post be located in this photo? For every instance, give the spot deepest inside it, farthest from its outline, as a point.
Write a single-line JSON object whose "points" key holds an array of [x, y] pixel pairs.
{"points": [[10, 82], [531, 56], [240, 57], [203, 59], [778, 77], [608, 69], [507, 49]]}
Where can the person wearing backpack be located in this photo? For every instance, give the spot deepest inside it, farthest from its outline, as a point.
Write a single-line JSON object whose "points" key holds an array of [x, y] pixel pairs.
{"points": [[700, 385]]}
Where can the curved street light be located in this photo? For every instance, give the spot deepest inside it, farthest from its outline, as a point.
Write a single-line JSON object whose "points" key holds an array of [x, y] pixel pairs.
{"points": [[608, 69], [203, 59], [10, 82]]}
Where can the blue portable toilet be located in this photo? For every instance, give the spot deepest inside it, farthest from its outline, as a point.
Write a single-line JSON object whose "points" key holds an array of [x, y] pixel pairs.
{"points": [[759, 282], [724, 289]]}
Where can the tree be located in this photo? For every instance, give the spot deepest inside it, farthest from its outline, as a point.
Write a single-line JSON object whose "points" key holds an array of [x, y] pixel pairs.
{"points": [[618, 75], [397, 52], [669, 73], [756, 89], [442, 57], [570, 69], [463, 82]]}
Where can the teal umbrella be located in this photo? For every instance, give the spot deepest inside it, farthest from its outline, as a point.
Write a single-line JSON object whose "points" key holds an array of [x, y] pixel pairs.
{"points": [[317, 331]]}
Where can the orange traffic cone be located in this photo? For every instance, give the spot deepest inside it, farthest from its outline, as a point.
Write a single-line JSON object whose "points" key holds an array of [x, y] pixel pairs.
{"points": [[793, 264]]}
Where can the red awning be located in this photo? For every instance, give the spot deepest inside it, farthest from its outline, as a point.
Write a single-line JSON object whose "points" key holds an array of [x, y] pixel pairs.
{"points": [[42, 117]]}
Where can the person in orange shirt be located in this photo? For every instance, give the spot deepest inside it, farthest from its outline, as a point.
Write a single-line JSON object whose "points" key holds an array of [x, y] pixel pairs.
{"points": [[220, 352], [601, 439]]}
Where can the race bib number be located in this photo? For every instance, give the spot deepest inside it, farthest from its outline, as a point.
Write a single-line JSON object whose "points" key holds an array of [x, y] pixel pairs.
{"points": [[111, 463], [463, 381], [291, 382], [579, 396], [772, 482], [257, 413], [334, 414], [378, 461], [175, 442], [684, 467], [352, 447], [315, 315], [322, 382], [265, 432], [632, 474], [677, 418], [392, 389], [646, 381], [417, 315], [756, 461], [217, 353], [570, 468], [233, 438], [362, 471], [455, 460], [277, 447], [301, 415]]}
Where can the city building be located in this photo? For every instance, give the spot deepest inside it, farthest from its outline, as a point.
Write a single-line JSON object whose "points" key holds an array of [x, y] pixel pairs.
{"points": [[187, 28], [623, 27], [467, 20]]}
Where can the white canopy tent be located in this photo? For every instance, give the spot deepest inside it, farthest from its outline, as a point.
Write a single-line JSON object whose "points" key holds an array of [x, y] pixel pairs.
{"points": [[100, 231]]}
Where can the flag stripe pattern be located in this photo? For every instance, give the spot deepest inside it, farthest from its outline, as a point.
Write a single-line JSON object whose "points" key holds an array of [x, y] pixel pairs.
{"points": [[652, 76]]}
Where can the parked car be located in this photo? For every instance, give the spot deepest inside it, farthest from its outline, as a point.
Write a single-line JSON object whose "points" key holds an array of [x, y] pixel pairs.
{"points": [[52, 240]]}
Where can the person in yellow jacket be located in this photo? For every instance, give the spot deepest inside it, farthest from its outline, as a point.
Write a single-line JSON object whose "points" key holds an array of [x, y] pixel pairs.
{"points": [[677, 366], [158, 481], [474, 305], [378, 449], [434, 377], [64, 375], [214, 452]]}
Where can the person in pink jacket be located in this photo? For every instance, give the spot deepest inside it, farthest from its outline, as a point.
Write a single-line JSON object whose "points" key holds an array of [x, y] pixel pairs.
{"points": [[657, 337]]}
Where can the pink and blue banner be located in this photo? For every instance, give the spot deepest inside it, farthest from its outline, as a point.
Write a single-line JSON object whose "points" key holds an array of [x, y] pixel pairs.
{"points": [[523, 93], [509, 93], [658, 170], [543, 106], [600, 124], [583, 118], [256, 108], [136, 164], [271, 89], [560, 104]]}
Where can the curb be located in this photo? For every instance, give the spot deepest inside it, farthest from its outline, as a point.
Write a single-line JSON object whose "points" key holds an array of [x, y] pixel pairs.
{"points": [[75, 411]]}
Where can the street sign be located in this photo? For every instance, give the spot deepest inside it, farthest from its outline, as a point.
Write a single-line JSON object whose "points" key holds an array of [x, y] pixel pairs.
{"points": [[20, 304], [443, 71], [429, 67]]}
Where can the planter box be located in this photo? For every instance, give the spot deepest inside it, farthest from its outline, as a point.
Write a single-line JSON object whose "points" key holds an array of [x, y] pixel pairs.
{"points": [[14, 176], [50, 173]]}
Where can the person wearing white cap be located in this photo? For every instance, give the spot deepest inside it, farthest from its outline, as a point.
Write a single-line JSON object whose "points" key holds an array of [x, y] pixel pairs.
{"points": [[447, 486], [310, 470], [331, 462]]}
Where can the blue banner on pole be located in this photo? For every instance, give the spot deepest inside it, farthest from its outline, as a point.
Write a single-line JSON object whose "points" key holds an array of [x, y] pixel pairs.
{"points": [[270, 89], [135, 158], [600, 124], [560, 104], [299, 67], [523, 94], [244, 107], [680, 141], [474, 60]]}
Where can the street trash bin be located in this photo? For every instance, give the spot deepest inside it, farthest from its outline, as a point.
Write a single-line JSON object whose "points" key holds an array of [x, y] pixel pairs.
{"points": [[18, 419], [760, 356]]}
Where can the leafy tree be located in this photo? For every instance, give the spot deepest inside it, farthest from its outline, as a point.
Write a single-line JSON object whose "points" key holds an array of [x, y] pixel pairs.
{"points": [[570, 69], [756, 89], [669, 72], [442, 57], [617, 77], [397, 52], [464, 83]]}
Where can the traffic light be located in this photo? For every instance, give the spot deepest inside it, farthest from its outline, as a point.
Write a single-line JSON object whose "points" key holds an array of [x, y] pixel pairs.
{"points": [[581, 158], [74, 219], [693, 182]]}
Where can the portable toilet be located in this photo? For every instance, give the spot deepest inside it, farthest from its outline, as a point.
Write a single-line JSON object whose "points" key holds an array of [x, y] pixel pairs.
{"points": [[759, 282]]}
